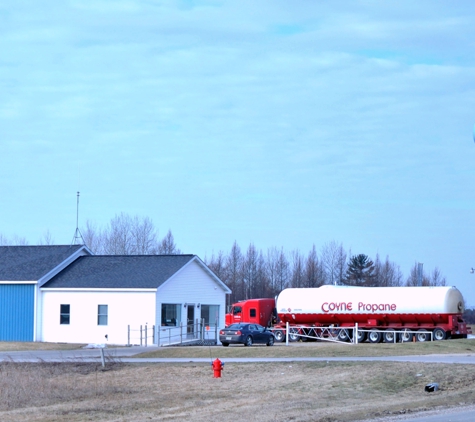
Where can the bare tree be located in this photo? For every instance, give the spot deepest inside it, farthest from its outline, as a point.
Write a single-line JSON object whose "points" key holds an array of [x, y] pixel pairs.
{"points": [[126, 235], [144, 236], [271, 265], [217, 264], [297, 278], [249, 271], [413, 279], [47, 239], [387, 274], [14, 241], [118, 237], [93, 238], [283, 272], [234, 279], [277, 270], [262, 284], [313, 272], [333, 259], [437, 279], [3, 240], [167, 245]]}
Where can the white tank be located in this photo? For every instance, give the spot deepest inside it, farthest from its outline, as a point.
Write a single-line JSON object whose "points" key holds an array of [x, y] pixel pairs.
{"points": [[321, 304]]}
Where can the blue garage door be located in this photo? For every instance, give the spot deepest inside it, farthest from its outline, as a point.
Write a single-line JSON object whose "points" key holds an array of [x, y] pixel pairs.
{"points": [[17, 307]]}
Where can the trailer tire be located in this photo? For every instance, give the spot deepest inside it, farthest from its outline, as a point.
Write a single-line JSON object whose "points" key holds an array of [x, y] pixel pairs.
{"points": [[344, 335], [294, 334], [279, 336], [390, 336], [406, 336], [422, 335], [361, 336], [225, 344], [248, 342], [439, 334], [374, 336]]}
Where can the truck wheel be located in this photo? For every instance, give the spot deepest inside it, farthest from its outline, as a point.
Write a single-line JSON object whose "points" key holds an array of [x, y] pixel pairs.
{"points": [[390, 336], [248, 342], [374, 336], [279, 336], [294, 334], [439, 334], [270, 342], [361, 336], [406, 336], [225, 344], [422, 335], [344, 335]]}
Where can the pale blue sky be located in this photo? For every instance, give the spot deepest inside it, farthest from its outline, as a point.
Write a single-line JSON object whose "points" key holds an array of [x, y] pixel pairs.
{"points": [[279, 123]]}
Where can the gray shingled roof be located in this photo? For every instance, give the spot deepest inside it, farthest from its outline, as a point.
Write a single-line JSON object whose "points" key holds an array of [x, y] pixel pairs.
{"points": [[119, 271], [30, 263]]}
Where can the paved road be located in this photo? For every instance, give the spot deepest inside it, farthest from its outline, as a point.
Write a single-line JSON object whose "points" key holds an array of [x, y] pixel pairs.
{"points": [[125, 355], [466, 414]]}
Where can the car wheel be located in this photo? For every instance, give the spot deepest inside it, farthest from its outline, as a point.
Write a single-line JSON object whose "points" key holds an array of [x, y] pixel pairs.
{"points": [[225, 344], [248, 342], [270, 342], [279, 335]]}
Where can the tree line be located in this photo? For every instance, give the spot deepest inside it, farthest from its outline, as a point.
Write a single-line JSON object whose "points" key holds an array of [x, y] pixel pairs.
{"points": [[123, 235], [251, 273]]}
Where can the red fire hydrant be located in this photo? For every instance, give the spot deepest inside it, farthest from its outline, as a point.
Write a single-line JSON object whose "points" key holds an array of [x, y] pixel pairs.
{"points": [[217, 366]]}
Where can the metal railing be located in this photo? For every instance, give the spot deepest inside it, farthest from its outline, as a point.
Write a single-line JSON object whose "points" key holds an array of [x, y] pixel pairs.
{"points": [[182, 334], [354, 335], [141, 336]]}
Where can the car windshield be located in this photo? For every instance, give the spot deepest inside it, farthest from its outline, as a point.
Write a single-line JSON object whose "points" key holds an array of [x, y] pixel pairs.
{"points": [[235, 327]]}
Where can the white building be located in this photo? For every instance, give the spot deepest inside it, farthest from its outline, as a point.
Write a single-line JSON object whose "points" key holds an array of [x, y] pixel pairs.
{"points": [[127, 300]]}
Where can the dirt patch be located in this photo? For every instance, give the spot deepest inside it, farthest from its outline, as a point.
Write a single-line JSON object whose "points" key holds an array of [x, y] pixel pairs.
{"points": [[303, 391]]}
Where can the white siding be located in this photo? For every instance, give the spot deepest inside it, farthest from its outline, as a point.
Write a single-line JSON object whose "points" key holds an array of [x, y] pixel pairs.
{"points": [[124, 308], [192, 286]]}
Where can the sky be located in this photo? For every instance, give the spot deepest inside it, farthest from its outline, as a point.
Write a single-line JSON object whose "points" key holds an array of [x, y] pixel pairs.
{"points": [[281, 124]]}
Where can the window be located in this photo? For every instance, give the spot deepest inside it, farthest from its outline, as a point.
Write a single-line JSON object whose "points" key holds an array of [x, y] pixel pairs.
{"points": [[64, 314], [252, 312], [102, 315], [171, 314], [210, 313]]}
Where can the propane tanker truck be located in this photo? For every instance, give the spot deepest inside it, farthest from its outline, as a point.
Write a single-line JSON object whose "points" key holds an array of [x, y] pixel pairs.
{"points": [[382, 313]]}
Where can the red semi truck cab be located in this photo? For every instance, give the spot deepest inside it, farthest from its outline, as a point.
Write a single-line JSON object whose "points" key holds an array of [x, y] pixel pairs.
{"points": [[258, 311]]}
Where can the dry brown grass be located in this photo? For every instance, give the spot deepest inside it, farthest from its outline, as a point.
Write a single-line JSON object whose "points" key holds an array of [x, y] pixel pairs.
{"points": [[304, 391], [320, 349], [11, 346]]}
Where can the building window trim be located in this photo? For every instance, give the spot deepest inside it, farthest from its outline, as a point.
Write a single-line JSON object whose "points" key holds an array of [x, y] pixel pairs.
{"points": [[64, 314], [102, 314]]}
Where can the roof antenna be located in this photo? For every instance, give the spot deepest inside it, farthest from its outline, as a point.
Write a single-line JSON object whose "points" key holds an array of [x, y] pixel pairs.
{"points": [[77, 234]]}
